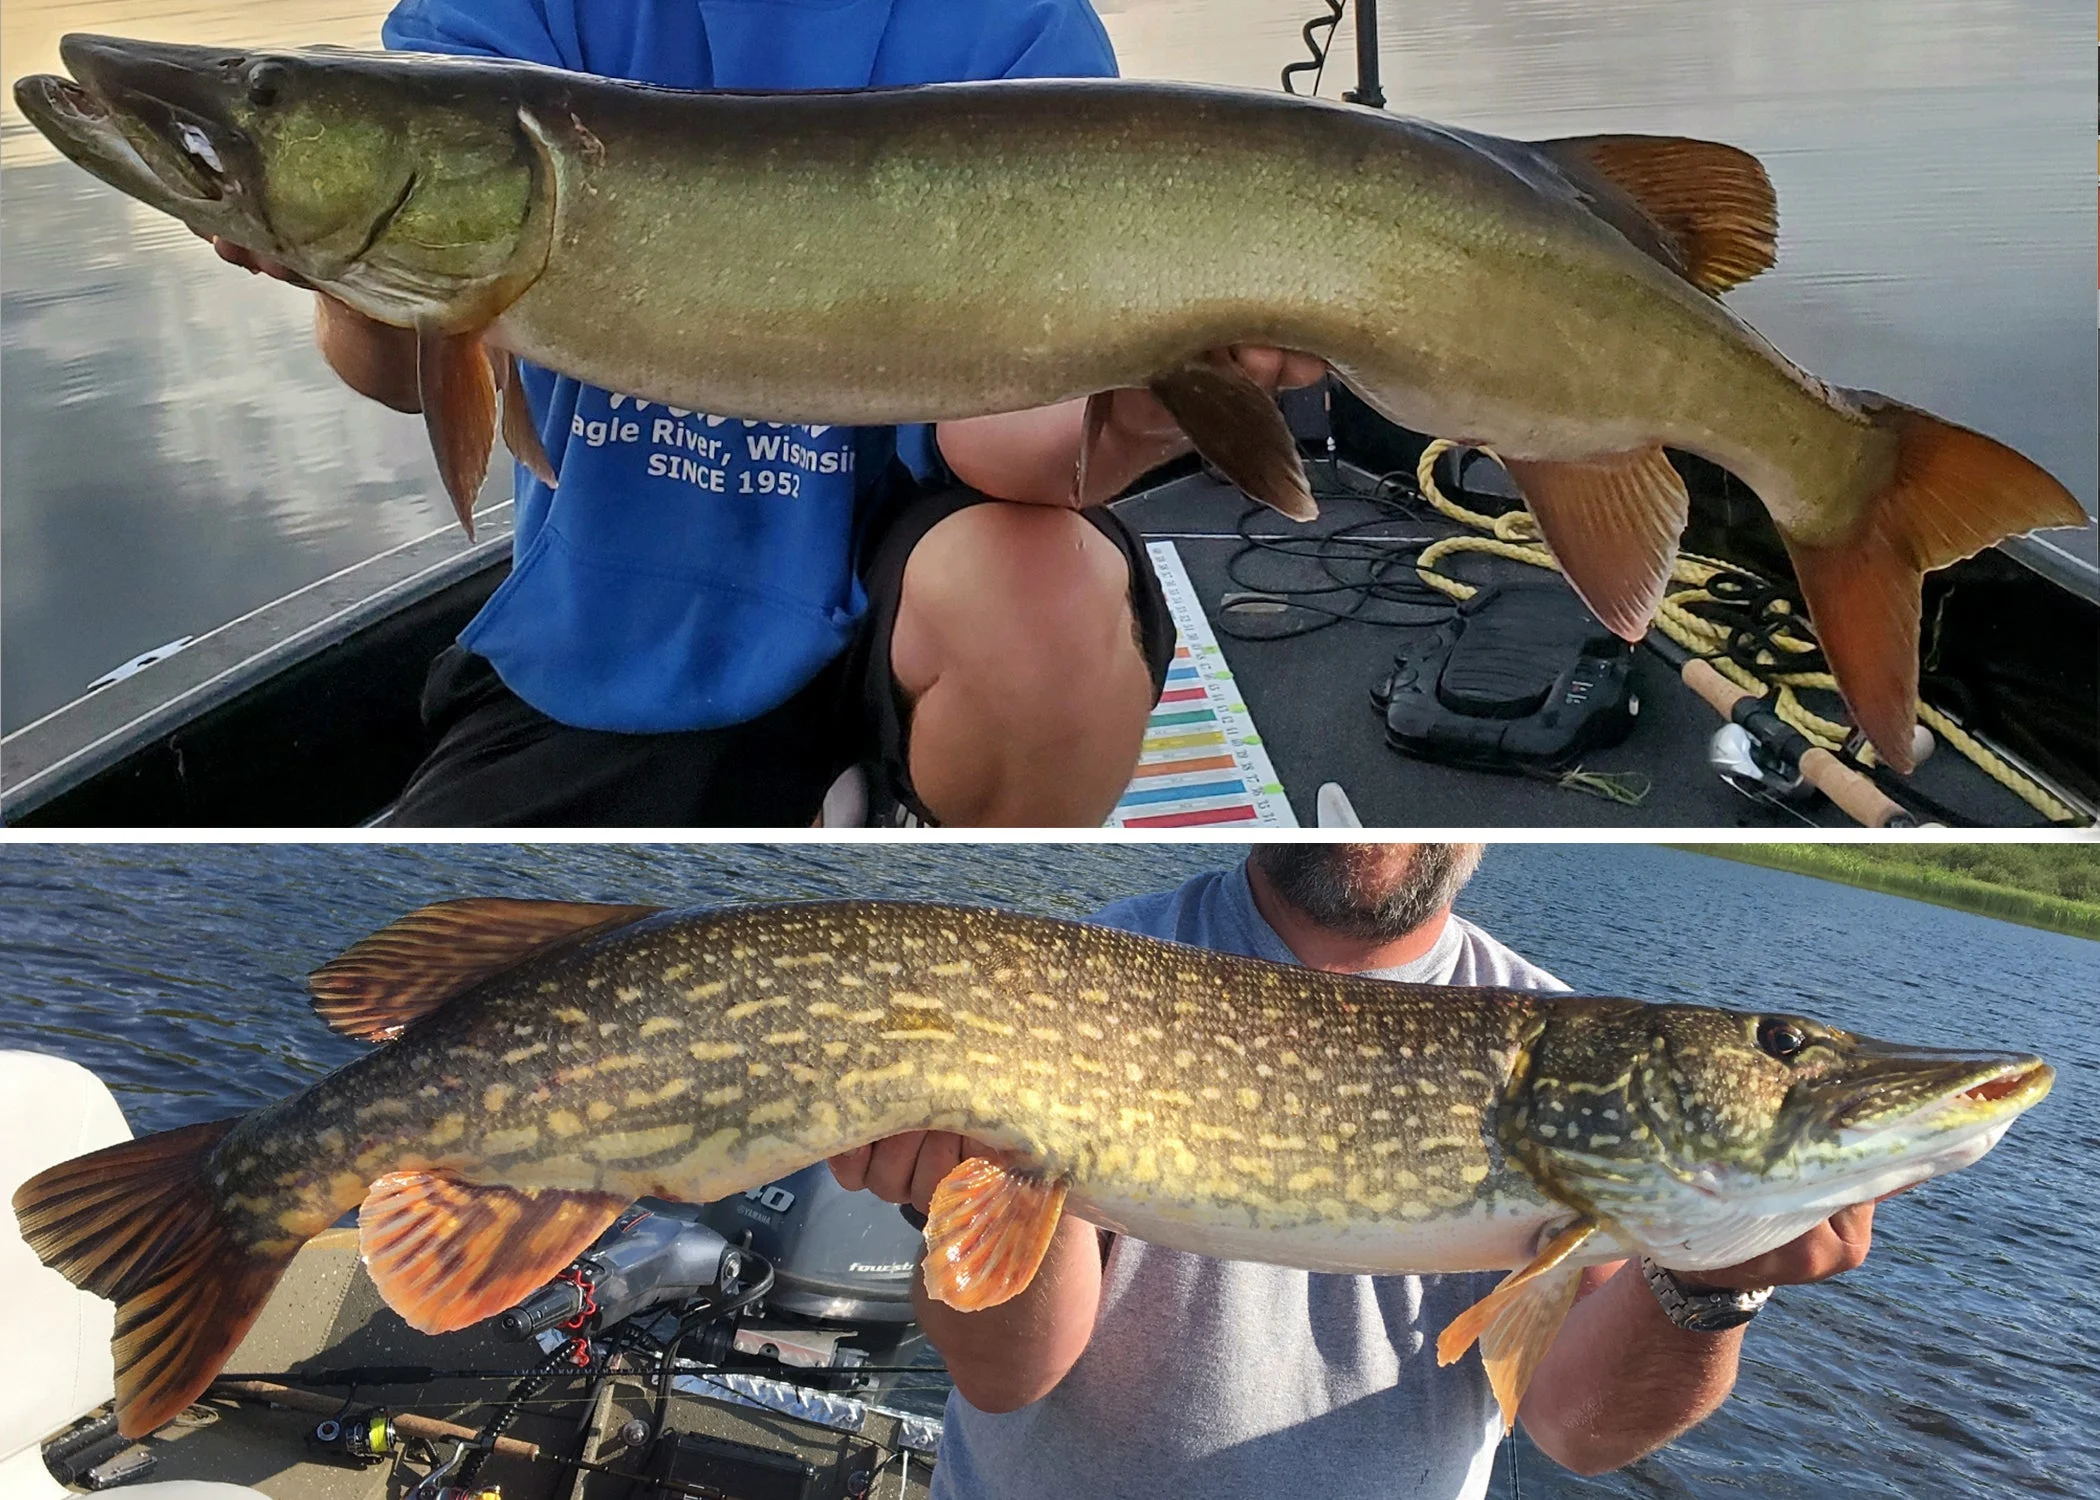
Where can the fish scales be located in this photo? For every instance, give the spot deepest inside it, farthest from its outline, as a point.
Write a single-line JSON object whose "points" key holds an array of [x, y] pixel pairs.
{"points": [[690, 1057], [549, 1062]]}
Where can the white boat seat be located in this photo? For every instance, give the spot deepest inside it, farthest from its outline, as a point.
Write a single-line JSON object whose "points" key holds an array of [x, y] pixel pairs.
{"points": [[50, 1110]]}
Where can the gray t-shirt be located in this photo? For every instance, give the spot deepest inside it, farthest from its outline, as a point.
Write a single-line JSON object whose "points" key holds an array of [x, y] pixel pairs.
{"points": [[1230, 1379]]}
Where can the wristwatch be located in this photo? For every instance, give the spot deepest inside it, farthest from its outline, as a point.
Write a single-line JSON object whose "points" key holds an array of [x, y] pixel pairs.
{"points": [[1703, 1309]]}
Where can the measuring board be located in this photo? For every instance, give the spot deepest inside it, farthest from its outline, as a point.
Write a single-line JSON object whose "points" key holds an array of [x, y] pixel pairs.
{"points": [[1203, 764]]}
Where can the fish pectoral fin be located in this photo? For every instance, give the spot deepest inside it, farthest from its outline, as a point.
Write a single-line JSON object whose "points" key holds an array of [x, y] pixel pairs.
{"points": [[458, 392], [446, 1253], [1516, 1322], [987, 1230], [1711, 204], [520, 433], [408, 969], [1238, 427], [1613, 524]]}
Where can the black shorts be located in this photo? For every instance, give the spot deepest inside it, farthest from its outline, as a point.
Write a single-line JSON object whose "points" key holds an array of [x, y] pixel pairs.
{"points": [[499, 762]]}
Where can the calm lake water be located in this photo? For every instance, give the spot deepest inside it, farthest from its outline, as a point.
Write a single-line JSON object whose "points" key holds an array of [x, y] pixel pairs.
{"points": [[1960, 1361], [176, 454]]}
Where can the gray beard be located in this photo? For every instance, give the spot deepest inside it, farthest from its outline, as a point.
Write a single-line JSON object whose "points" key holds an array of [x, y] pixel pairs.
{"points": [[1335, 885]]}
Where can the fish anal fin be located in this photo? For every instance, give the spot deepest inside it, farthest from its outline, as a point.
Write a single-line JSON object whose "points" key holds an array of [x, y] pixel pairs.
{"points": [[445, 1253], [987, 1230], [137, 1223], [1712, 204], [1951, 493], [1238, 427], [458, 394], [409, 968], [1516, 1322], [520, 433], [1613, 524]]}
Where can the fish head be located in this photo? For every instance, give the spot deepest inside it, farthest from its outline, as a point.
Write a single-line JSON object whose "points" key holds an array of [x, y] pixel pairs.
{"points": [[388, 181], [1709, 1136]]}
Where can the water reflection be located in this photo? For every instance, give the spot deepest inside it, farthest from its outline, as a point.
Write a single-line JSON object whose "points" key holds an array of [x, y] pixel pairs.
{"points": [[176, 453]]}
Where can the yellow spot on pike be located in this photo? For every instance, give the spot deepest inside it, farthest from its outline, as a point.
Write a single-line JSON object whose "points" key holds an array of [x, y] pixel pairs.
{"points": [[907, 1001], [1046, 1034], [786, 1038], [520, 1054], [707, 991], [677, 972], [728, 1094], [1087, 1064], [565, 1124], [1249, 1098], [919, 1034], [384, 1109], [448, 1129], [505, 1142], [980, 1023], [626, 1145], [714, 1051], [1298, 1182], [656, 1024], [744, 1008], [570, 1014], [982, 1059], [961, 968], [495, 1096], [628, 993], [773, 1114], [860, 1077], [835, 1049], [599, 1111]]}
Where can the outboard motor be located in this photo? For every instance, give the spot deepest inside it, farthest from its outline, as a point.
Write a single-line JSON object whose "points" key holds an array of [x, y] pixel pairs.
{"points": [[836, 1255], [655, 1255]]}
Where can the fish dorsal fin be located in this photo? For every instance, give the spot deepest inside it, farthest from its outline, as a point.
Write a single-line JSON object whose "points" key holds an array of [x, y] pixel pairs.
{"points": [[1711, 204], [446, 1253], [404, 971], [1516, 1322], [987, 1230]]}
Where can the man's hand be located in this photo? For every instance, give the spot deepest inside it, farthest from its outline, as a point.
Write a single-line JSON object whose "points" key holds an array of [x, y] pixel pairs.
{"points": [[1030, 456], [1835, 1246], [1006, 1356], [1621, 1379], [906, 1168]]}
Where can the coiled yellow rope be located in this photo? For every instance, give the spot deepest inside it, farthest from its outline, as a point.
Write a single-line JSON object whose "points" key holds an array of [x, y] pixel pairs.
{"points": [[1515, 535]]}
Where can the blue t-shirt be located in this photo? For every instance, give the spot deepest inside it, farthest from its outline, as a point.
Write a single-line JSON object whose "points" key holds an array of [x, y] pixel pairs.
{"points": [[691, 571]]}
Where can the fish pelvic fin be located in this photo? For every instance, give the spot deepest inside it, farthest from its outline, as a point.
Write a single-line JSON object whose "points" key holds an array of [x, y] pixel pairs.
{"points": [[1613, 524], [1515, 1323], [410, 968], [987, 1230], [1706, 210], [139, 1223], [1952, 493], [1238, 427], [520, 433], [458, 394], [445, 1253]]}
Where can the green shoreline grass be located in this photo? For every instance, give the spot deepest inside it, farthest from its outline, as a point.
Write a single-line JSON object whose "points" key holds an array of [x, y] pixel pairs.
{"points": [[1903, 872]]}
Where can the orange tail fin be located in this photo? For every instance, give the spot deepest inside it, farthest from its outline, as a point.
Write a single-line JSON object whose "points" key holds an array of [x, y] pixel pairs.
{"points": [[1954, 493], [138, 1223]]}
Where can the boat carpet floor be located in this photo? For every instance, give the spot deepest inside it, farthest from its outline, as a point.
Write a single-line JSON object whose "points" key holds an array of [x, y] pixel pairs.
{"points": [[1309, 695]]}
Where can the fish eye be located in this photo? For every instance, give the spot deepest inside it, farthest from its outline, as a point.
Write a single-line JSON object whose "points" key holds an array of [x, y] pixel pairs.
{"points": [[265, 82], [1781, 1038]]}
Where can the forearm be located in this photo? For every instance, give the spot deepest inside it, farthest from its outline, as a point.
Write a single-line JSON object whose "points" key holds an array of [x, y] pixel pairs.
{"points": [[1003, 1358], [1621, 1379], [1030, 457]]}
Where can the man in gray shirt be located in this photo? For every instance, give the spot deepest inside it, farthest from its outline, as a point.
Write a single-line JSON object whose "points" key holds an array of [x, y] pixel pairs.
{"points": [[1126, 1369]]}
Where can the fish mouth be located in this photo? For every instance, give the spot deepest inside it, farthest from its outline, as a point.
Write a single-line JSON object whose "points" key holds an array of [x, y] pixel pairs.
{"points": [[2005, 1088], [145, 118]]}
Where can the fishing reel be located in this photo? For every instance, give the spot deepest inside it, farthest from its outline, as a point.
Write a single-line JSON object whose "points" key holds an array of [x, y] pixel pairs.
{"points": [[364, 1438], [651, 1258]]}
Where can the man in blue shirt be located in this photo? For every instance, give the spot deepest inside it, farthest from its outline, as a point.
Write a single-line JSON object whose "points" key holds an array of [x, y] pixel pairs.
{"points": [[707, 619]]}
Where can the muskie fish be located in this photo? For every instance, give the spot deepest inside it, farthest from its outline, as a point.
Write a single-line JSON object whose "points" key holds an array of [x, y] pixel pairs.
{"points": [[546, 1062], [946, 251]]}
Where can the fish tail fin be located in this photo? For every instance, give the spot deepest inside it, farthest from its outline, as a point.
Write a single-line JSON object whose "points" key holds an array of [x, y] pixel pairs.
{"points": [[140, 1224], [1952, 493]]}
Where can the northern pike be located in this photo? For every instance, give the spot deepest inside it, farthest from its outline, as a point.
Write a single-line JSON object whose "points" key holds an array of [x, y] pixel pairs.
{"points": [[946, 251], [544, 1063]]}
